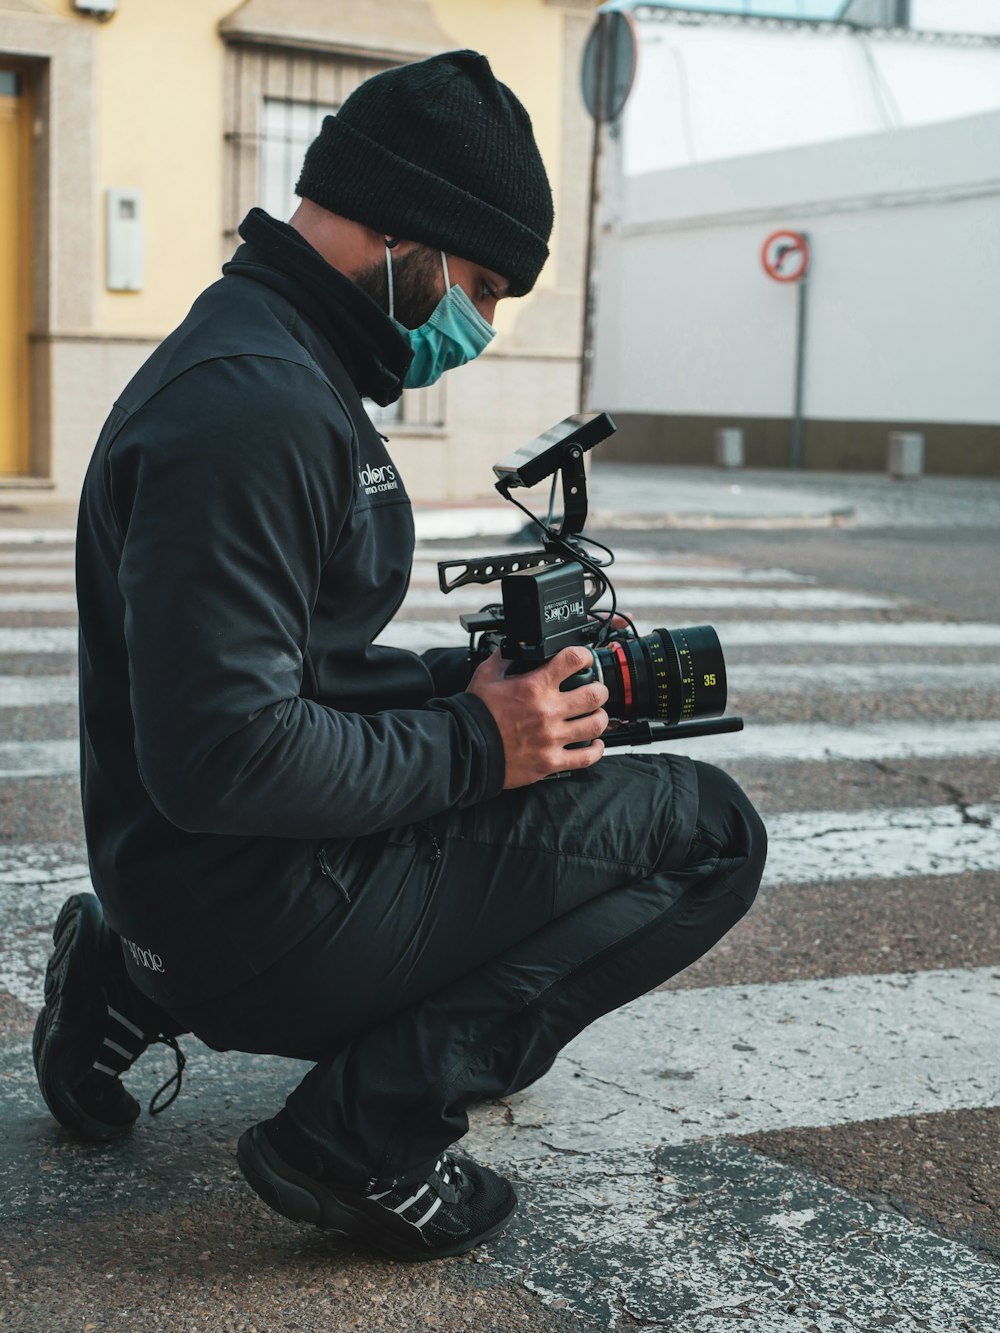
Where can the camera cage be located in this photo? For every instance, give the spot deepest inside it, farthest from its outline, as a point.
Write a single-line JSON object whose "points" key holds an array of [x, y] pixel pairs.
{"points": [[559, 449]]}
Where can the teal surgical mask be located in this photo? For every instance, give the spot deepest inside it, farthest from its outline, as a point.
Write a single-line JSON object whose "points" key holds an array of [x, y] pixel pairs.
{"points": [[455, 332]]}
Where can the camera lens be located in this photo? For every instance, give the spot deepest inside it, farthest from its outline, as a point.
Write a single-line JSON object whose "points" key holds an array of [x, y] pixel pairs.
{"points": [[672, 675]]}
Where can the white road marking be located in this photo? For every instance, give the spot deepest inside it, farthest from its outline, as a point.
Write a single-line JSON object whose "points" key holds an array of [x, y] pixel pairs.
{"points": [[57, 639], [808, 847], [623, 1146], [774, 743], [36, 536], [819, 742], [10, 578], [712, 1237], [790, 678], [39, 759], [741, 1059], [39, 556], [37, 601], [22, 691], [419, 635], [35, 880], [817, 846], [745, 598], [37, 691], [41, 863]]}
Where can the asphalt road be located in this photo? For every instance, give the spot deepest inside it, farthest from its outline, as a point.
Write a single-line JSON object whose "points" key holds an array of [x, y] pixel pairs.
{"points": [[798, 1135]]}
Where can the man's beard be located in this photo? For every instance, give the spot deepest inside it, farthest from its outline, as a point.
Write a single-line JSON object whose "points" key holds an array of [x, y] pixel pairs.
{"points": [[417, 286]]}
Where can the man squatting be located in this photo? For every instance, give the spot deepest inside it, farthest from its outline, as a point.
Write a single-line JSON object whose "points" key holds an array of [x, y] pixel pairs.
{"points": [[305, 844]]}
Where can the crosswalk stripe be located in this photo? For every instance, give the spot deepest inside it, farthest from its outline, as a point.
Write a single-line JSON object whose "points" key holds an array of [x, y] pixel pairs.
{"points": [[814, 742], [741, 1059], [804, 847], [37, 601], [715, 1238], [817, 846], [820, 742], [39, 555], [747, 598], [40, 863], [23, 577], [36, 536], [57, 639], [419, 635], [37, 691], [850, 677], [39, 759]]}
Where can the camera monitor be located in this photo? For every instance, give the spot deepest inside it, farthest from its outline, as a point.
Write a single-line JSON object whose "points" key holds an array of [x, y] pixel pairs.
{"points": [[543, 455]]}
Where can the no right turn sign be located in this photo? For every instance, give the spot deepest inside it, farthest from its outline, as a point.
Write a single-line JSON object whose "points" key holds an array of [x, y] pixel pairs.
{"points": [[785, 256]]}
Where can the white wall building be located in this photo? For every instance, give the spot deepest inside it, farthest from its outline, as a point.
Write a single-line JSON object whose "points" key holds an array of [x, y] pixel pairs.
{"points": [[883, 146]]}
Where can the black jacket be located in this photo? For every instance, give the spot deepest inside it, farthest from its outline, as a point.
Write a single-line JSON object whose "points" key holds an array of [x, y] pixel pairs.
{"points": [[243, 538]]}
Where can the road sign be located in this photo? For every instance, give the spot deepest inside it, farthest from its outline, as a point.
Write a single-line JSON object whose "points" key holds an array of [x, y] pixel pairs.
{"points": [[609, 64], [785, 256]]}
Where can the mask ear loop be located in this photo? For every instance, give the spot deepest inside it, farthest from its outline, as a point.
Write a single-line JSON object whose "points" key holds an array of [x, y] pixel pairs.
{"points": [[388, 265], [447, 279]]}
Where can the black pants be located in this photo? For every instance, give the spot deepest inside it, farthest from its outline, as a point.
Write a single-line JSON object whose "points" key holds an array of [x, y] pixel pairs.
{"points": [[472, 948]]}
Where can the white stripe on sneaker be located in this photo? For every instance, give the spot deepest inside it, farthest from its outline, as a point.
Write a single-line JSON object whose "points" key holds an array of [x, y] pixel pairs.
{"points": [[125, 1023], [412, 1199], [429, 1214], [119, 1050]]}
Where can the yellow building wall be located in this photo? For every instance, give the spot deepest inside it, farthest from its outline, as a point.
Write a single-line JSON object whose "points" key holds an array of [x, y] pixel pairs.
{"points": [[160, 80], [159, 76]]}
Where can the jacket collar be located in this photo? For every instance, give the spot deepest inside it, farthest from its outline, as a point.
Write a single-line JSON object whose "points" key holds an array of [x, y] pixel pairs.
{"points": [[374, 353]]}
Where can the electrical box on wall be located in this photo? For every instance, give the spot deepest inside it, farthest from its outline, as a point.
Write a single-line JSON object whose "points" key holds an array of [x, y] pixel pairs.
{"points": [[125, 241]]}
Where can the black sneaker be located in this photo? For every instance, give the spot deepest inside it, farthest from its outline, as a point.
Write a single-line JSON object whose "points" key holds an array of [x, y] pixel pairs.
{"points": [[83, 1043], [458, 1206]]}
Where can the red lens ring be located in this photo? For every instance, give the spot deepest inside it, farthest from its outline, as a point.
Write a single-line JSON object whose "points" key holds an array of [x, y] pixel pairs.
{"points": [[619, 652]]}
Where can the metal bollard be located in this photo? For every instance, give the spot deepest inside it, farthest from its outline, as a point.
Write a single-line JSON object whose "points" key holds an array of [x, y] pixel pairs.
{"points": [[906, 454], [729, 447]]}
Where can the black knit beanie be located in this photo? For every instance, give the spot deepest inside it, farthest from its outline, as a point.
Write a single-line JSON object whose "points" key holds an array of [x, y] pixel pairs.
{"points": [[442, 153]]}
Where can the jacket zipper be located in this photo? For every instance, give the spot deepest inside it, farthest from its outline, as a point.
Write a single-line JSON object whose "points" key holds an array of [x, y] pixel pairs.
{"points": [[327, 870]]}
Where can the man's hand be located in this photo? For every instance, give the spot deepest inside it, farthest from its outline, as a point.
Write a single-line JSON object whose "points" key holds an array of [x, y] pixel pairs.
{"points": [[537, 720]]}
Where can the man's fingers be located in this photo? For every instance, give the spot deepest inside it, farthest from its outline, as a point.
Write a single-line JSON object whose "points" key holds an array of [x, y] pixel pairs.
{"points": [[567, 662], [585, 757]]}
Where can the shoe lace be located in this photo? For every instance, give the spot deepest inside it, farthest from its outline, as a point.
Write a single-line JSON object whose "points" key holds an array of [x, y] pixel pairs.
{"points": [[447, 1179], [175, 1078]]}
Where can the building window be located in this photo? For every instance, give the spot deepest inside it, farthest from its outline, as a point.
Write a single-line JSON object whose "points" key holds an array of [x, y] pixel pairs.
{"points": [[286, 131]]}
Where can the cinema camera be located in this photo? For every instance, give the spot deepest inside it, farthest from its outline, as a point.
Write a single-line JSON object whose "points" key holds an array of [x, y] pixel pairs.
{"points": [[670, 684]]}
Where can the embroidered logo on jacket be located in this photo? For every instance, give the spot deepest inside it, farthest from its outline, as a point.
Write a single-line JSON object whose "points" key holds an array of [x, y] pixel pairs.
{"points": [[377, 479]]}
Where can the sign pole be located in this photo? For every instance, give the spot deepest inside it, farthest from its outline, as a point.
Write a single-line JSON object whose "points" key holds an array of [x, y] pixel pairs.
{"points": [[593, 201], [786, 258], [609, 64], [800, 362]]}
